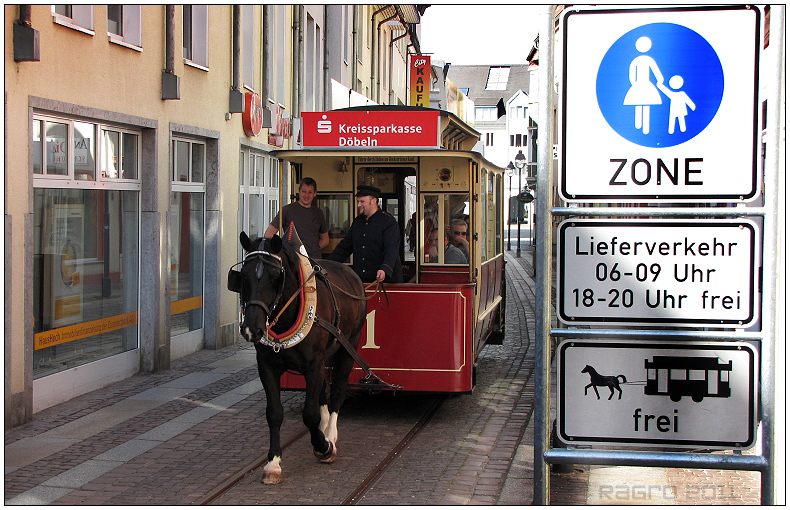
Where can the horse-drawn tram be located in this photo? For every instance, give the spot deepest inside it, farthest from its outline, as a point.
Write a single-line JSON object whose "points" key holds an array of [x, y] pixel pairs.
{"points": [[426, 333]]}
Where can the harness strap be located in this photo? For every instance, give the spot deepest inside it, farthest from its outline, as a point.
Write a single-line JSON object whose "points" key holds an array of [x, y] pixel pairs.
{"points": [[343, 341], [287, 303]]}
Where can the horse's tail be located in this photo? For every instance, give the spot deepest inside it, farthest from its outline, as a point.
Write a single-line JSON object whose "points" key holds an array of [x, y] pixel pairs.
{"points": [[619, 376]]}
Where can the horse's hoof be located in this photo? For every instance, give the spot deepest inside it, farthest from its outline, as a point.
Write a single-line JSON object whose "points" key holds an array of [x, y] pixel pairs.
{"points": [[329, 456], [272, 478], [272, 472]]}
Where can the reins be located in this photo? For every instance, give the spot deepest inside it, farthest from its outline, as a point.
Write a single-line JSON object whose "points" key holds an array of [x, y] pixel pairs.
{"points": [[379, 290]]}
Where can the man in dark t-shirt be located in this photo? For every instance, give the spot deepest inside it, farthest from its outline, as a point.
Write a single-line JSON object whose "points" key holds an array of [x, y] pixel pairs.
{"points": [[309, 220]]}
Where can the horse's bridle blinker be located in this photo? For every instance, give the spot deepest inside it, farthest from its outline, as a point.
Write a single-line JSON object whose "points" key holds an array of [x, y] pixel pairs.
{"points": [[234, 283]]}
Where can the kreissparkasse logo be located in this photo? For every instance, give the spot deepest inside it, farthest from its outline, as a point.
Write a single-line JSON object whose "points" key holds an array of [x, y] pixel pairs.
{"points": [[324, 126]]}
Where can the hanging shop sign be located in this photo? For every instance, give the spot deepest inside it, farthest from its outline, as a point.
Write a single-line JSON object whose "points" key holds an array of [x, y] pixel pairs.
{"points": [[252, 118], [420, 80]]}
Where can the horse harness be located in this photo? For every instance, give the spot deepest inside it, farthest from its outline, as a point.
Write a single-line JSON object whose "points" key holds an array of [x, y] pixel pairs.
{"points": [[307, 314]]}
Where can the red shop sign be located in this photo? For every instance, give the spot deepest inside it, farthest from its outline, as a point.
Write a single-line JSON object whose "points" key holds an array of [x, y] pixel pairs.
{"points": [[252, 118], [375, 129]]}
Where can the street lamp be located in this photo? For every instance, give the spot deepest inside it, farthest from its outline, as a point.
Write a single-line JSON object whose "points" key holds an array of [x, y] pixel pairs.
{"points": [[521, 162], [509, 173]]}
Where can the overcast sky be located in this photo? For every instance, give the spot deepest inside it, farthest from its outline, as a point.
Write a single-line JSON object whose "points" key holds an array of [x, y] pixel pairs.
{"points": [[472, 34]]}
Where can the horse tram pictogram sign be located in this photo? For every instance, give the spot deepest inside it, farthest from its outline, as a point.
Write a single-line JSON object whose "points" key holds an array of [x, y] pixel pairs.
{"points": [[660, 394]]}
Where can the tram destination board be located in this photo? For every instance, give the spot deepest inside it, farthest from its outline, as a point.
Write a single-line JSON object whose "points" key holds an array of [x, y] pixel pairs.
{"points": [[685, 394], [644, 109], [690, 273]]}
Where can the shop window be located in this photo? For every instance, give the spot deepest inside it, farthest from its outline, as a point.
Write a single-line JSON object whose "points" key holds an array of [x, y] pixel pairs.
{"points": [[77, 16], [85, 245], [120, 152], [187, 235], [124, 25], [195, 35], [258, 191]]}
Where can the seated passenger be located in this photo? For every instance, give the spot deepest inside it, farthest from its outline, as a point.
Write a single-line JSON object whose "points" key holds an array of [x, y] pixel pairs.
{"points": [[460, 237], [452, 255]]}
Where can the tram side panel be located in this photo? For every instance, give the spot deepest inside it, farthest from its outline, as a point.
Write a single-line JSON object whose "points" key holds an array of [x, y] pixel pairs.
{"points": [[422, 341]]}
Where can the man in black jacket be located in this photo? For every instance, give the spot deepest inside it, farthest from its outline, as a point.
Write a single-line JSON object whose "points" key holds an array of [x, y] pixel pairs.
{"points": [[374, 240]]}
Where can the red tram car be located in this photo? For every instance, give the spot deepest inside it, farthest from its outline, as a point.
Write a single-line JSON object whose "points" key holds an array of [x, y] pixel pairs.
{"points": [[429, 337]]}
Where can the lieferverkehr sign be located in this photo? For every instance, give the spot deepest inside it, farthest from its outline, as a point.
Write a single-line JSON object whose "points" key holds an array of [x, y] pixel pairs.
{"points": [[371, 129], [661, 272], [659, 104]]}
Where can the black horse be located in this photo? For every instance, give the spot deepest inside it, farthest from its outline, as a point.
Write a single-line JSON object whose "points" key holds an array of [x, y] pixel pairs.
{"points": [[269, 277]]}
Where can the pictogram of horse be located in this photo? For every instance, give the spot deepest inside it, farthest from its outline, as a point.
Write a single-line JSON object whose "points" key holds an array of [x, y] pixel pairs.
{"points": [[596, 379], [286, 337]]}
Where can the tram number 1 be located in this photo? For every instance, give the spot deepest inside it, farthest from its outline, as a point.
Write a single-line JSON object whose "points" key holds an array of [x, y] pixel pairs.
{"points": [[586, 297], [370, 340]]}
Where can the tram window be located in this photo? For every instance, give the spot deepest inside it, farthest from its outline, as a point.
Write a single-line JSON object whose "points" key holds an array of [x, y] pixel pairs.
{"points": [[677, 375], [337, 210], [696, 375], [445, 215]]}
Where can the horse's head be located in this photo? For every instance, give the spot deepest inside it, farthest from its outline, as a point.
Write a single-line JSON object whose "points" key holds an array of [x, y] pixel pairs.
{"points": [[588, 369], [259, 282]]}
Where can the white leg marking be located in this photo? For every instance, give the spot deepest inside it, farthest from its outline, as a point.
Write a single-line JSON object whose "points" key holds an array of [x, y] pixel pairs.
{"points": [[272, 472], [324, 419], [331, 430]]}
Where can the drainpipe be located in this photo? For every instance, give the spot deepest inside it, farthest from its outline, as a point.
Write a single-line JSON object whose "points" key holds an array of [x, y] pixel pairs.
{"points": [[297, 61], [373, 50], [378, 58], [171, 83], [354, 43], [327, 89], [392, 46], [236, 101], [267, 63]]}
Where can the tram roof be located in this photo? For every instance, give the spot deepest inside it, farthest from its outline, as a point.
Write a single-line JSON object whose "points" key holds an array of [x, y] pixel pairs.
{"points": [[302, 155]]}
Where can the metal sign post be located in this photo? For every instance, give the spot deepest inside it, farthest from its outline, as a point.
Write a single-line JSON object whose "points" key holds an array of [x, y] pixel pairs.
{"points": [[543, 258]]}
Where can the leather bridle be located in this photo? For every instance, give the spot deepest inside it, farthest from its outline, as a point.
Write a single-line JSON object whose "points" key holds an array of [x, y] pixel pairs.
{"points": [[263, 258]]}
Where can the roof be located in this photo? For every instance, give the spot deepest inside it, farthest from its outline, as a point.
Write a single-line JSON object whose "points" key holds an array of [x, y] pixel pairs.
{"points": [[475, 78]]}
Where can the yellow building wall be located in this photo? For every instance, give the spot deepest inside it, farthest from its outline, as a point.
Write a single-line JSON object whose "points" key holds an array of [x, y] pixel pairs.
{"points": [[90, 71]]}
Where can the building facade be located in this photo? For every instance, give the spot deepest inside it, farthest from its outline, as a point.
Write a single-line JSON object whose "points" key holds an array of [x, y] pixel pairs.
{"points": [[137, 147]]}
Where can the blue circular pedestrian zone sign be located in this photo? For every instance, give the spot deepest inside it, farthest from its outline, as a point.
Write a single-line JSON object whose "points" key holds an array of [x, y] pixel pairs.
{"points": [[660, 85]]}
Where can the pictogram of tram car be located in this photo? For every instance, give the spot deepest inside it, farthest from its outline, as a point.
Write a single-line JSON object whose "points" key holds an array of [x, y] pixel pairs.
{"points": [[695, 377]]}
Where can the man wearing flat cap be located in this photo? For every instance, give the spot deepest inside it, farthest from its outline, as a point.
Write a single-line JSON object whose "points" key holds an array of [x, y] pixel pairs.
{"points": [[373, 239]]}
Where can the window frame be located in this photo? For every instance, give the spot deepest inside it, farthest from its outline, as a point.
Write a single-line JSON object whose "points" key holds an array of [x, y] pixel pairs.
{"points": [[44, 180], [81, 21], [189, 186], [131, 35], [198, 36]]}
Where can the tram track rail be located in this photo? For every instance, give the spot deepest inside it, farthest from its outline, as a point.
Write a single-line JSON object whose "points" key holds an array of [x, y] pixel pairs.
{"points": [[394, 454], [245, 471], [356, 495]]}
